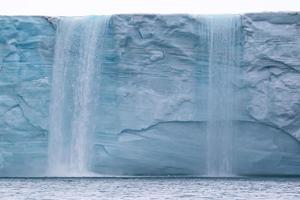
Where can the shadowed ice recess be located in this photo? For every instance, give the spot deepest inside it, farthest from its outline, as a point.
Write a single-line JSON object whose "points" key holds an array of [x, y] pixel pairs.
{"points": [[150, 95]]}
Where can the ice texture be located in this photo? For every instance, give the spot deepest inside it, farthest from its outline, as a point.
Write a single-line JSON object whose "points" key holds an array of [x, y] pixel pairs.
{"points": [[26, 56], [272, 66], [151, 112]]}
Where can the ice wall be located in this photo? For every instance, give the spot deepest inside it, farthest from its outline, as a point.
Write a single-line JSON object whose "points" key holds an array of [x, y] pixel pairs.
{"points": [[272, 64], [26, 57], [158, 96], [152, 109]]}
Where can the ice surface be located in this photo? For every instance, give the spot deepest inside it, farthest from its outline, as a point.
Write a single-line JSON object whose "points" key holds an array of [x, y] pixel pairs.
{"points": [[26, 55], [271, 65], [259, 150]]}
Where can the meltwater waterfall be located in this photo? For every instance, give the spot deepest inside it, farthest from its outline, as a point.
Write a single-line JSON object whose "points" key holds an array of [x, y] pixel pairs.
{"points": [[74, 84], [222, 71], [159, 95], [75, 88]]}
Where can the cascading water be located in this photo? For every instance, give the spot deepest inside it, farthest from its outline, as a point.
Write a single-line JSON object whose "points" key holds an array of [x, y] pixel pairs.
{"points": [[79, 43], [222, 71], [78, 47]]}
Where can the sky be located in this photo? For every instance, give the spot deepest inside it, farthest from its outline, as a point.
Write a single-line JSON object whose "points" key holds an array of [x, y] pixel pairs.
{"points": [[105, 7]]}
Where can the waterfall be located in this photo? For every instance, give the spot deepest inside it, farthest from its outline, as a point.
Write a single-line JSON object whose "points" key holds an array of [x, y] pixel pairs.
{"points": [[74, 82], [75, 85], [222, 72]]}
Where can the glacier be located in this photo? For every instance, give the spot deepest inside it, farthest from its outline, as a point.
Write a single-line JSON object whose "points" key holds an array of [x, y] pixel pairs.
{"points": [[150, 95]]}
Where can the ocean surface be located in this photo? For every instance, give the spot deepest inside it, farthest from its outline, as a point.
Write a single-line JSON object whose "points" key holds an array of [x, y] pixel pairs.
{"points": [[149, 188]]}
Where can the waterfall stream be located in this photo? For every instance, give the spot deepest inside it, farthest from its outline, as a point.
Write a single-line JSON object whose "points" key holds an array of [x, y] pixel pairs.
{"points": [[74, 82], [222, 72]]}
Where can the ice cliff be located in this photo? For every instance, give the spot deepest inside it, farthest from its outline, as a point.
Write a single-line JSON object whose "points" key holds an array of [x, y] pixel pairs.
{"points": [[157, 97], [26, 63]]}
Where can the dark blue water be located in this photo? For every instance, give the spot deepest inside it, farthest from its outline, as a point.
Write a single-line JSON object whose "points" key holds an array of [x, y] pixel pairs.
{"points": [[149, 188]]}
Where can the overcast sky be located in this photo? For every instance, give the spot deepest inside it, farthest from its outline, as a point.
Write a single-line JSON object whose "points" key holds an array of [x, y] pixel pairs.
{"points": [[98, 7]]}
